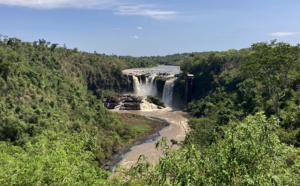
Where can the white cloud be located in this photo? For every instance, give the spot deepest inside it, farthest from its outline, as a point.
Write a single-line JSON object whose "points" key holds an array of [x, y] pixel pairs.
{"points": [[118, 6], [283, 34], [134, 37], [139, 28], [51, 4], [145, 10]]}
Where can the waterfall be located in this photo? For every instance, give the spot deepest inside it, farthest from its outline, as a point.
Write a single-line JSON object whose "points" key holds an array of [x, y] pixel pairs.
{"points": [[136, 85], [153, 85], [146, 88], [149, 88], [168, 91]]}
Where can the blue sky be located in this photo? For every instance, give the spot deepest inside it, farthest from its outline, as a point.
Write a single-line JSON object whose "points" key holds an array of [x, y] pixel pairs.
{"points": [[156, 27]]}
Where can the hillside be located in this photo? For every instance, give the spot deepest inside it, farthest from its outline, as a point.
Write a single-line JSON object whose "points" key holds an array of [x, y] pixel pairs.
{"points": [[245, 128], [54, 128], [53, 125]]}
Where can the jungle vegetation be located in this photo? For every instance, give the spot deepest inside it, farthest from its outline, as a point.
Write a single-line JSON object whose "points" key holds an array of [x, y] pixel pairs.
{"points": [[54, 129], [245, 128]]}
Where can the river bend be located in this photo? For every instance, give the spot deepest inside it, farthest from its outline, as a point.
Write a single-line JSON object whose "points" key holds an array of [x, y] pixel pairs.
{"points": [[176, 130]]}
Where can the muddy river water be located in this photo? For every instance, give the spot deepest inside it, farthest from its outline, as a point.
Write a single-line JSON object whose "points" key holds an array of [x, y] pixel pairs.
{"points": [[176, 130]]}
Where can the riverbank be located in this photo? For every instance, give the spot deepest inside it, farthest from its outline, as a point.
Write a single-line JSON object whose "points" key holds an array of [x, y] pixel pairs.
{"points": [[177, 130], [148, 127]]}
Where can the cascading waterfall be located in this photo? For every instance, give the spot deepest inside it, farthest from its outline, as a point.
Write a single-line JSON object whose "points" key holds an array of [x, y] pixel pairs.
{"points": [[136, 85], [149, 88], [168, 91], [148, 82], [153, 85], [144, 89]]}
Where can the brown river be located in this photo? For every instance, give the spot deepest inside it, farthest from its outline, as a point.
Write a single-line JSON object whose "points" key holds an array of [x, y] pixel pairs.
{"points": [[176, 130]]}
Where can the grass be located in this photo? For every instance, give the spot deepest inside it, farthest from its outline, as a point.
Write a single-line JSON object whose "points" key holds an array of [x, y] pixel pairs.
{"points": [[143, 128], [140, 124]]}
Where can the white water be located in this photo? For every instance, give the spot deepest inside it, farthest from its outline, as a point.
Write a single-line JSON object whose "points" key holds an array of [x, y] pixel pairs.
{"points": [[136, 85], [144, 89], [178, 122], [153, 85], [168, 91], [146, 106], [149, 88]]}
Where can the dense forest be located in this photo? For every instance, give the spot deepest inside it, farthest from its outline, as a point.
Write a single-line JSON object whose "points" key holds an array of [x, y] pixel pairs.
{"points": [[53, 125], [147, 61], [54, 129], [245, 128]]}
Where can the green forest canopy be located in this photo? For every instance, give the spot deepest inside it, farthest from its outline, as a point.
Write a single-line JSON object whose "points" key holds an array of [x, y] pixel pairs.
{"points": [[54, 128]]}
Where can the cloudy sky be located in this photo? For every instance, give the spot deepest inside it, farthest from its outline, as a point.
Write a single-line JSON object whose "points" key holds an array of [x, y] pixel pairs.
{"points": [[156, 27]]}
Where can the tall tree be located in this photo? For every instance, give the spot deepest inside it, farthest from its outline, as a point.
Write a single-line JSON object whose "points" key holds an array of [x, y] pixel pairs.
{"points": [[273, 65]]}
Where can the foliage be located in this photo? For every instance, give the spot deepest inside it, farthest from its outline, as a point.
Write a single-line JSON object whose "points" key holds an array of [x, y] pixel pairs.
{"points": [[53, 125], [218, 106], [249, 154], [54, 128], [273, 64], [48, 162], [207, 67], [231, 85], [156, 101], [204, 132], [150, 61]]}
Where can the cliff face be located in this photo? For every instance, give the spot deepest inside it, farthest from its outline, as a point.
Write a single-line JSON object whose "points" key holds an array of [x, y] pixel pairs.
{"points": [[182, 88]]}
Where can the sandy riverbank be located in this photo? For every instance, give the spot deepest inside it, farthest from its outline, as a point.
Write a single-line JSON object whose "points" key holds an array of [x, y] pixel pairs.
{"points": [[176, 130]]}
